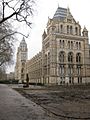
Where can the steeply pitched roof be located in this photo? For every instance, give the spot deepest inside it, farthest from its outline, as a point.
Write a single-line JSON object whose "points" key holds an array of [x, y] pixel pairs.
{"points": [[61, 13], [23, 42]]}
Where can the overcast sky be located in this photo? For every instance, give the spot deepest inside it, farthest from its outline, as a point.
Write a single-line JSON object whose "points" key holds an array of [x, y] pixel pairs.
{"points": [[46, 8]]}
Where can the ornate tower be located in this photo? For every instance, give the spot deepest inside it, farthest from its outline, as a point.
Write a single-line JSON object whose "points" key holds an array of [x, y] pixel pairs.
{"points": [[21, 61]]}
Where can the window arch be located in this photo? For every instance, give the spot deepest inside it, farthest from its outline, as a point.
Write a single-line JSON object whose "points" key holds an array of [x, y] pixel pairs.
{"points": [[76, 31], [45, 59], [49, 58], [61, 69], [71, 30], [79, 45], [22, 70], [62, 56], [70, 69], [78, 57], [60, 43], [61, 27], [68, 44], [67, 29], [71, 45], [76, 45], [23, 64], [70, 57], [63, 44]]}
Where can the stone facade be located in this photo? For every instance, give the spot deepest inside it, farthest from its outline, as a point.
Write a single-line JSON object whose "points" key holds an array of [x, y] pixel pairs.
{"points": [[20, 72], [34, 68], [65, 55], [11, 76]]}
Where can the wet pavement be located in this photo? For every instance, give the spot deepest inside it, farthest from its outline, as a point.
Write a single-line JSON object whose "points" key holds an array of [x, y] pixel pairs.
{"points": [[13, 106]]}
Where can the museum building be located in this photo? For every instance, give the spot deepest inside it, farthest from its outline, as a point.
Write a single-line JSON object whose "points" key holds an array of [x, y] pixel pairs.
{"points": [[65, 55]]}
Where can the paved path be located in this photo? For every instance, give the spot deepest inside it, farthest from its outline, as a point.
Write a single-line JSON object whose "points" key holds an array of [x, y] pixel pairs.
{"points": [[13, 106]]}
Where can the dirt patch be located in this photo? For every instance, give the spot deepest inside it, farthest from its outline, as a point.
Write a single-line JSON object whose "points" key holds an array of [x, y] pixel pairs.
{"points": [[66, 102]]}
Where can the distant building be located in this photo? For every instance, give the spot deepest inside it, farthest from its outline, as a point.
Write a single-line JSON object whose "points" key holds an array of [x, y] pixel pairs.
{"points": [[21, 61], [11, 76], [34, 68], [65, 55], [3, 75]]}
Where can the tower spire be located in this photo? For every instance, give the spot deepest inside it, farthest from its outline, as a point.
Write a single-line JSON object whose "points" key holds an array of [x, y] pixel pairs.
{"points": [[68, 11], [58, 5]]}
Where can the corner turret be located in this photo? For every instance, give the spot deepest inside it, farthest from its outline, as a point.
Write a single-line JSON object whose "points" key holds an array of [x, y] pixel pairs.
{"points": [[85, 32], [44, 35]]}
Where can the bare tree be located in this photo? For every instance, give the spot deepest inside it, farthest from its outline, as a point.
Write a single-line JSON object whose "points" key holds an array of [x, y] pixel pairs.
{"points": [[6, 43], [2, 74], [19, 11]]}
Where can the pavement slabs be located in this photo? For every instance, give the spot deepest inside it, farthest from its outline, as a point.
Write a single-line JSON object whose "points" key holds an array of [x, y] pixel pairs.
{"points": [[13, 106]]}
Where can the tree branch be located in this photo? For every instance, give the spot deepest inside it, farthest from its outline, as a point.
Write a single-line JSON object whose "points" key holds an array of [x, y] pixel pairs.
{"points": [[6, 18]]}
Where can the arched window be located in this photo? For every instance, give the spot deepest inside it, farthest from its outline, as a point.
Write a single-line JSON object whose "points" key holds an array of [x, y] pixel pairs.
{"points": [[61, 69], [61, 56], [78, 57], [70, 69], [49, 58], [48, 68], [61, 28], [63, 44], [78, 69], [45, 59], [76, 31], [60, 43], [71, 31], [23, 64], [76, 45], [22, 70], [79, 45], [68, 44], [70, 57], [71, 45], [68, 29]]}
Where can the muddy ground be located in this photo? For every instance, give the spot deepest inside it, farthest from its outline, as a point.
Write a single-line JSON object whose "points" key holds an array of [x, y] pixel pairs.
{"points": [[64, 102]]}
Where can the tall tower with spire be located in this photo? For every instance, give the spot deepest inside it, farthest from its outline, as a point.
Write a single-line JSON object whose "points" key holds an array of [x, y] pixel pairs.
{"points": [[21, 61]]}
